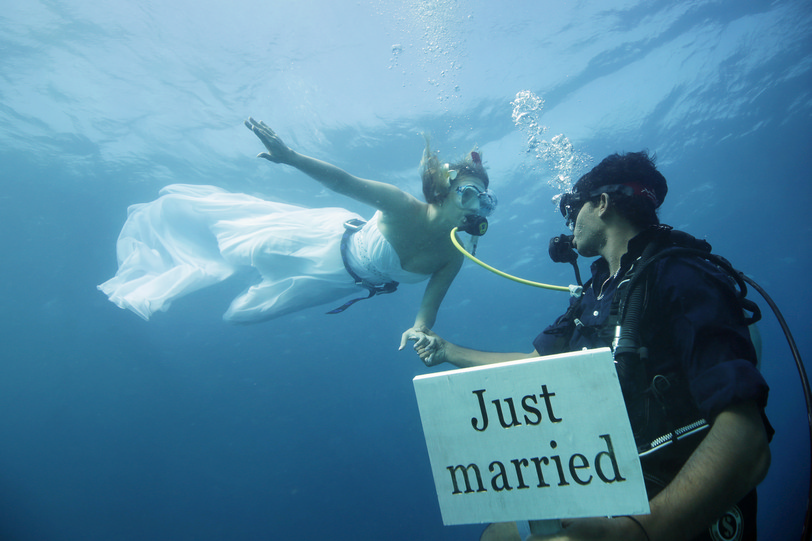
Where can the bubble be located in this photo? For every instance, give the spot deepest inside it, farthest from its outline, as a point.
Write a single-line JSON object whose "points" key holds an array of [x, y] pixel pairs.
{"points": [[558, 154], [397, 48]]}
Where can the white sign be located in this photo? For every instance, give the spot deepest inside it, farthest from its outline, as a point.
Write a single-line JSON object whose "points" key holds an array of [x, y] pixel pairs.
{"points": [[541, 438]]}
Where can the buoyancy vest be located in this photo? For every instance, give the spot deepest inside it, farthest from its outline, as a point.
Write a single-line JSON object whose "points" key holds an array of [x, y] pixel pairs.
{"points": [[666, 422], [663, 415]]}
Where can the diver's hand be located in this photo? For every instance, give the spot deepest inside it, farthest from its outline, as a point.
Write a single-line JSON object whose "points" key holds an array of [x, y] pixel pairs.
{"points": [[278, 152], [429, 346], [415, 333]]}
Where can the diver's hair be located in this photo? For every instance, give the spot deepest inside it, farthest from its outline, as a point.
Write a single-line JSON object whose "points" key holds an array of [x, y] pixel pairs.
{"points": [[436, 183], [624, 168]]}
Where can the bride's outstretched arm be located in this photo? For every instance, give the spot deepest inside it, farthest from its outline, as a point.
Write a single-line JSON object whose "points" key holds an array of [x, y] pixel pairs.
{"points": [[383, 196]]}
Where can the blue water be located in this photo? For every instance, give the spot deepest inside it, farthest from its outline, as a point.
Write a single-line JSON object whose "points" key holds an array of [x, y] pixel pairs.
{"points": [[306, 427]]}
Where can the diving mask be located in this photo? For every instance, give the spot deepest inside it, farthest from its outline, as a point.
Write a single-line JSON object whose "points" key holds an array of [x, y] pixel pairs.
{"points": [[570, 205], [571, 202], [471, 197]]}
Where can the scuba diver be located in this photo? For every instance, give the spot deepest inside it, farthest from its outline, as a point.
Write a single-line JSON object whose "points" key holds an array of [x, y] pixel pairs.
{"points": [[679, 331]]}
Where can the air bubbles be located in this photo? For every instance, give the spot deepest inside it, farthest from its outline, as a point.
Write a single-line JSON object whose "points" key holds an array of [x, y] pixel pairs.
{"points": [[557, 154], [397, 49]]}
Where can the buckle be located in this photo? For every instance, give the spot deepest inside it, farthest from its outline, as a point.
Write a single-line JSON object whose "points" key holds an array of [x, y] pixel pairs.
{"points": [[354, 225]]}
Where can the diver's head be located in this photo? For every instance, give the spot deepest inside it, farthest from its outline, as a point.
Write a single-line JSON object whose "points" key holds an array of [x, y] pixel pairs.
{"points": [[439, 179], [471, 195], [461, 188], [635, 187], [472, 201]]}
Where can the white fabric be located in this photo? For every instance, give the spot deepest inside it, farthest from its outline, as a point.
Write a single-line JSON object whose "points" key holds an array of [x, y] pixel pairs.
{"points": [[195, 236], [374, 259]]}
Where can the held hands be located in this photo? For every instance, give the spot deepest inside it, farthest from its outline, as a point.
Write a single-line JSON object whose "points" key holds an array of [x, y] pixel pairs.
{"points": [[278, 152], [428, 345]]}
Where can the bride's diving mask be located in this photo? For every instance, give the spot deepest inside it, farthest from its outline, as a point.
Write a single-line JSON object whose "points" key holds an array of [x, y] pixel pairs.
{"points": [[472, 198]]}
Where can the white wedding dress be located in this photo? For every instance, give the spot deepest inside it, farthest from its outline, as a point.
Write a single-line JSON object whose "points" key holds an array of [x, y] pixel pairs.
{"points": [[195, 236]]}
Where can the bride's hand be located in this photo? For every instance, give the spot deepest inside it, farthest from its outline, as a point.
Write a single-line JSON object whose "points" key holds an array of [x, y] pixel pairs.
{"points": [[278, 152], [429, 346]]}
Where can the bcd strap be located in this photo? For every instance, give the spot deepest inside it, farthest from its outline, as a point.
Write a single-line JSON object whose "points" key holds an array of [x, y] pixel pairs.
{"points": [[649, 447], [350, 228], [626, 315], [631, 357]]}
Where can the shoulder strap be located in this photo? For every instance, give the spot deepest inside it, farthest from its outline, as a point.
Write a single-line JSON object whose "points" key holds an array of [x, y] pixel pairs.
{"points": [[672, 242], [629, 308], [571, 316]]}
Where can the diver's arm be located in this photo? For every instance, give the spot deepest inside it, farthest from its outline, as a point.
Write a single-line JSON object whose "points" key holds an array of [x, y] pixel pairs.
{"points": [[462, 357], [732, 459], [380, 195], [435, 292], [434, 350]]}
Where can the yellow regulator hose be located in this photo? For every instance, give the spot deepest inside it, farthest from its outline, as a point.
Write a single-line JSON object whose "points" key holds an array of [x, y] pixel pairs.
{"points": [[459, 247]]}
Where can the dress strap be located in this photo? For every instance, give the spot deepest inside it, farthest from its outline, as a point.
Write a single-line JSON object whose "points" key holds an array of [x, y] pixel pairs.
{"points": [[350, 228]]}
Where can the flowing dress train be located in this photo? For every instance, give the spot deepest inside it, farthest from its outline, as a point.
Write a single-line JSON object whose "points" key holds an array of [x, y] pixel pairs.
{"points": [[195, 236]]}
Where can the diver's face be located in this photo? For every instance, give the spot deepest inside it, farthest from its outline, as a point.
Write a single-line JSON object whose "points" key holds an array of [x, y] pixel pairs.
{"points": [[588, 231], [462, 199]]}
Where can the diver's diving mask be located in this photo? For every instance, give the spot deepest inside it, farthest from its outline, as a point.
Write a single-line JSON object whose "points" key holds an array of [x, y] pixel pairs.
{"points": [[572, 202], [570, 205], [470, 197]]}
